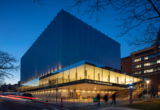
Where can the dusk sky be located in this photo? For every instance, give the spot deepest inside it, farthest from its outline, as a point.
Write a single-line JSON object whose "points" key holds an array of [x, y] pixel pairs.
{"points": [[22, 21]]}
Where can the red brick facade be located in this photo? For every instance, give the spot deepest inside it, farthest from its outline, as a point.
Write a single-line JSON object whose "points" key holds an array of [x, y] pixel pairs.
{"points": [[149, 65]]}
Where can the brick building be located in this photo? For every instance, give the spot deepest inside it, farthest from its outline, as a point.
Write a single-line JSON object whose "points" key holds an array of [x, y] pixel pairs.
{"points": [[145, 63]]}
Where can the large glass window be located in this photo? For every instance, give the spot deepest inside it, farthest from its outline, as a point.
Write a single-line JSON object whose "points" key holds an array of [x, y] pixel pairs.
{"points": [[146, 58], [80, 72], [66, 76], [136, 72], [106, 75], [112, 77], [151, 56], [127, 79], [45, 82], [73, 74], [158, 54], [158, 68], [158, 61], [146, 64], [60, 77], [53, 80], [148, 70], [98, 74], [149, 63], [118, 78], [40, 83], [123, 79], [89, 72], [137, 60], [136, 66]]}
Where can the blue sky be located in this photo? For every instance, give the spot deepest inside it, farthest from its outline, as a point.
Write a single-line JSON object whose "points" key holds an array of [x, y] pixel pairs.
{"points": [[22, 21]]}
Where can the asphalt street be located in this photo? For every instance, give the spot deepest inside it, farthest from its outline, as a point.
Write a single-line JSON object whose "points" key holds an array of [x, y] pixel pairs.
{"points": [[12, 104]]}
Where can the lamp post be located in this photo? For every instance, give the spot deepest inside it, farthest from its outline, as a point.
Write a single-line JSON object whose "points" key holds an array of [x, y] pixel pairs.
{"points": [[130, 93], [147, 89]]}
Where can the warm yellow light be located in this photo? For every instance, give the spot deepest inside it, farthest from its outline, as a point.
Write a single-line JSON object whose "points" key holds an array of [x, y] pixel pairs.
{"points": [[147, 82]]}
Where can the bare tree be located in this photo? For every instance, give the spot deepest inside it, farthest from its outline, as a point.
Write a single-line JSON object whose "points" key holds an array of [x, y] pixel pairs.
{"points": [[39, 2], [7, 65], [140, 18]]}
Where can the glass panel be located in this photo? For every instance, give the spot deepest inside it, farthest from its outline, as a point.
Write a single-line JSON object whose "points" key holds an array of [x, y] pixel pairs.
{"points": [[89, 72], [127, 79], [53, 80], [148, 70], [135, 79], [98, 74], [66, 76], [106, 76], [73, 74], [145, 58], [131, 79], [138, 66], [80, 72], [146, 64], [118, 78], [112, 77], [123, 79], [158, 61], [137, 72], [137, 60], [60, 77], [40, 83]]}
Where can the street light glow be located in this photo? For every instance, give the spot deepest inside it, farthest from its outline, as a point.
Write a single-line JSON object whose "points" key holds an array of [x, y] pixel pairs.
{"points": [[147, 82]]}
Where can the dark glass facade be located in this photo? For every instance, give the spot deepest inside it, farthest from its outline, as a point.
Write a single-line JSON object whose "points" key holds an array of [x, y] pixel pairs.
{"points": [[65, 41]]}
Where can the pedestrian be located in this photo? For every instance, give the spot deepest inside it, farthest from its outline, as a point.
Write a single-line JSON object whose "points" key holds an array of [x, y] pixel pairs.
{"points": [[140, 96], [151, 95], [106, 99], [113, 98], [154, 95], [98, 100]]}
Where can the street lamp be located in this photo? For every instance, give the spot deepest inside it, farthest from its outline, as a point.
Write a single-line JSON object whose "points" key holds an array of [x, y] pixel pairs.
{"points": [[147, 89]]}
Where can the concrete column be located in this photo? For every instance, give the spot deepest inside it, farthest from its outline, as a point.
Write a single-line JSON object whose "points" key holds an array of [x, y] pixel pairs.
{"points": [[74, 94]]}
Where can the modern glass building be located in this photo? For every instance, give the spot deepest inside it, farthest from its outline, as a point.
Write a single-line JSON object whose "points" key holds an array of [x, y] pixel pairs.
{"points": [[72, 59], [65, 41]]}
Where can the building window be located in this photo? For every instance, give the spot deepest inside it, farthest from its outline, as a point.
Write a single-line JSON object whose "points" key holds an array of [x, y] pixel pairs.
{"points": [[158, 61], [148, 70], [137, 60], [136, 72], [149, 63], [136, 66], [158, 68], [146, 58], [149, 57], [158, 54]]}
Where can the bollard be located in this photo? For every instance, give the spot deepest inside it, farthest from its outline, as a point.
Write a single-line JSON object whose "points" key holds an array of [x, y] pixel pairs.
{"points": [[46, 102], [61, 102]]}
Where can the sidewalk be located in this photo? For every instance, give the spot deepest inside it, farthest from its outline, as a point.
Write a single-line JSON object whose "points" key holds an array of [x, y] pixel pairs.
{"points": [[116, 108], [110, 107]]}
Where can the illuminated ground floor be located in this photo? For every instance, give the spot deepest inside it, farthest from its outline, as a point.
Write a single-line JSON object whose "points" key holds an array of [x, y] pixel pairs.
{"points": [[80, 83], [82, 92]]}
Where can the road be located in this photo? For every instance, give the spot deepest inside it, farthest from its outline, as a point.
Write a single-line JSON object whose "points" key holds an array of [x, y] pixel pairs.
{"points": [[12, 104]]}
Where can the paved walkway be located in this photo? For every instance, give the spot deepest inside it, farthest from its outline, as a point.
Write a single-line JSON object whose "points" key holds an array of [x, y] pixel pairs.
{"points": [[110, 107], [116, 108]]}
